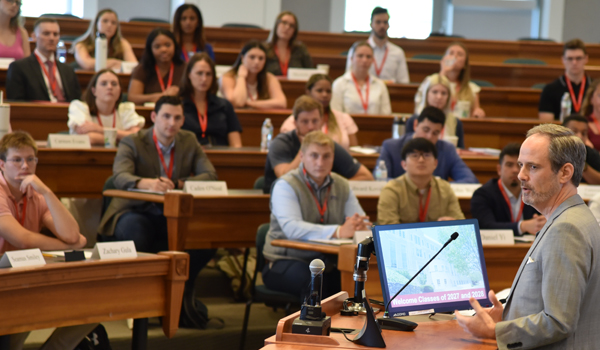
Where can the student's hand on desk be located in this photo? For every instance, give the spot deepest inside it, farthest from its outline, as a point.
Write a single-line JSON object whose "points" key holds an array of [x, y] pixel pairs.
{"points": [[446, 218], [35, 183], [533, 225], [161, 184], [88, 127], [483, 324], [353, 223], [478, 113]]}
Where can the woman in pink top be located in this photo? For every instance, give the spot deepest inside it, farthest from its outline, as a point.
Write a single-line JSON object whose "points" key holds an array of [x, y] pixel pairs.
{"points": [[14, 40], [341, 127]]}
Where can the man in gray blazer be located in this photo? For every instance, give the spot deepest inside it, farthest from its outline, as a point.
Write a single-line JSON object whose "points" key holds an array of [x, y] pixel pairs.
{"points": [[553, 299], [158, 159]]}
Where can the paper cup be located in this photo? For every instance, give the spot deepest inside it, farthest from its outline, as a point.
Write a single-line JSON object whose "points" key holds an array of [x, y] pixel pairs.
{"points": [[110, 138], [462, 109], [452, 139]]}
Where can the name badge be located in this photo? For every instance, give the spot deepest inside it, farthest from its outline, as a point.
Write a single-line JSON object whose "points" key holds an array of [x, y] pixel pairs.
{"points": [[62, 141], [205, 188], [588, 192], [464, 190], [114, 250], [20, 258], [497, 237], [5, 62], [367, 188], [303, 74]]}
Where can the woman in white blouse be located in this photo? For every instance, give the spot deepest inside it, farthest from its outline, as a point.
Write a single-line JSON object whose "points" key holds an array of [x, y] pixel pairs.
{"points": [[339, 126], [102, 108], [357, 92]]}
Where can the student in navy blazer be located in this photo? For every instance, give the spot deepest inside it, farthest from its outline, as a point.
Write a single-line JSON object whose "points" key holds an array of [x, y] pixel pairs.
{"points": [[497, 204]]}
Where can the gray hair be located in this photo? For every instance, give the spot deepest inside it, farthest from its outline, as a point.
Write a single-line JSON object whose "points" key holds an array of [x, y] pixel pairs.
{"points": [[564, 148]]}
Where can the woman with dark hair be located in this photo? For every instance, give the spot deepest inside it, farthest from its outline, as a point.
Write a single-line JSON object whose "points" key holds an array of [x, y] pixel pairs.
{"points": [[160, 69], [102, 108], [188, 28], [283, 50], [119, 49], [14, 40], [338, 125], [357, 91], [248, 84], [211, 118], [465, 94]]}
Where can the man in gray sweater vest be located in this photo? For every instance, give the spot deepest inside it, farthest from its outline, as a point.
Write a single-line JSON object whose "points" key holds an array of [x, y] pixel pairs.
{"points": [[309, 202]]}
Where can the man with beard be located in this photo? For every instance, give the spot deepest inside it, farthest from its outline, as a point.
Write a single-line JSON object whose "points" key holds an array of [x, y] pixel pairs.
{"points": [[498, 205], [389, 60], [552, 303]]}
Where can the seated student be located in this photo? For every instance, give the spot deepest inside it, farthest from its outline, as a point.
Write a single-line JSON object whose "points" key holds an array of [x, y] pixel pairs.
{"points": [[27, 205], [438, 92], [188, 28], [591, 171], [283, 50], [337, 125], [309, 202], [284, 151], [591, 110], [357, 91], [211, 118], [160, 69], [498, 205], [574, 82], [455, 66], [248, 84], [41, 77], [160, 158], [119, 49], [417, 195], [102, 108], [14, 40], [429, 125]]}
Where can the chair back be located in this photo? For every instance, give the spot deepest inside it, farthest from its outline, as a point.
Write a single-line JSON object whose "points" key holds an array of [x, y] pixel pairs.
{"points": [[261, 238]]}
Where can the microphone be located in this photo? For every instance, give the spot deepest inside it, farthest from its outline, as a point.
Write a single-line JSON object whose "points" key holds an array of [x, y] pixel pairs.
{"points": [[387, 322], [316, 267], [312, 320]]}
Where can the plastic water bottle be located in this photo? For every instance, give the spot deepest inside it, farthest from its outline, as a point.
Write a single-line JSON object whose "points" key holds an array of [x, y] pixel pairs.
{"points": [[61, 52], [101, 51], [381, 173], [266, 134], [565, 106], [398, 127]]}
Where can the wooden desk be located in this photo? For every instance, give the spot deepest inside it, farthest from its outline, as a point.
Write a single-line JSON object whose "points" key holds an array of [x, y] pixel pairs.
{"points": [[436, 333], [502, 263], [66, 294], [82, 173]]}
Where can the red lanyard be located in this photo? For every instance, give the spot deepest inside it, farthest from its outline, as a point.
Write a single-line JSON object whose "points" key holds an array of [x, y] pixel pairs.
{"points": [[508, 203], [282, 64], [593, 117], [114, 119], [52, 82], [160, 79], [423, 209], [380, 68], [203, 119], [185, 54], [364, 102], [454, 98], [169, 172], [576, 103], [321, 209], [21, 219]]}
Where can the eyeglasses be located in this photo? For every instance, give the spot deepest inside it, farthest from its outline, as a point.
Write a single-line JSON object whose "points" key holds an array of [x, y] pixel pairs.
{"points": [[417, 155], [19, 3], [288, 24], [18, 161], [575, 59]]}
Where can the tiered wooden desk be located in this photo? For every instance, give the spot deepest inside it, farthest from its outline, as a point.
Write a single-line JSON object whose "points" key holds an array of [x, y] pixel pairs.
{"points": [[62, 294], [437, 332]]}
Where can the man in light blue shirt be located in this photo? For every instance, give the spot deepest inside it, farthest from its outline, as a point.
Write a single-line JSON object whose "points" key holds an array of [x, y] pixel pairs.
{"points": [[308, 203]]}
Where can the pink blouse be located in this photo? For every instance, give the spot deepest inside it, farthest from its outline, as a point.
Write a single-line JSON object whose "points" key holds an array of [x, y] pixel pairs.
{"points": [[16, 50]]}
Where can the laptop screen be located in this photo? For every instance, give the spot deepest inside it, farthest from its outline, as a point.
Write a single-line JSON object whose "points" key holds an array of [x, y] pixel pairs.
{"points": [[454, 276]]}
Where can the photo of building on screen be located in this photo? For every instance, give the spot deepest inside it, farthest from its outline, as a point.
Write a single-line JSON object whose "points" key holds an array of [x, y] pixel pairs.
{"points": [[456, 268]]}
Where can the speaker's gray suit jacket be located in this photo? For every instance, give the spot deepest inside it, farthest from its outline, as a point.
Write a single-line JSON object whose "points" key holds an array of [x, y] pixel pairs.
{"points": [[554, 299]]}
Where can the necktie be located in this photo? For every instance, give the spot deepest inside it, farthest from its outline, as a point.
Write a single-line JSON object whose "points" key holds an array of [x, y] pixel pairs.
{"points": [[56, 90]]}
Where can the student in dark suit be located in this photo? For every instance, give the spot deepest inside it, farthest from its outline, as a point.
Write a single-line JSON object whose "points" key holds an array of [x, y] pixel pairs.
{"points": [[40, 76], [498, 204]]}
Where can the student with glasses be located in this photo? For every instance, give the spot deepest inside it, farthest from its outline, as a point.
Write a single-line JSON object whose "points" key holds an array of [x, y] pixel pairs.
{"points": [[417, 195], [283, 51], [14, 40], [574, 82]]}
